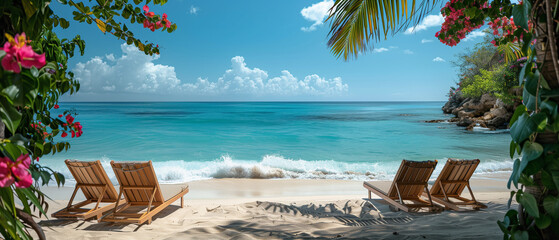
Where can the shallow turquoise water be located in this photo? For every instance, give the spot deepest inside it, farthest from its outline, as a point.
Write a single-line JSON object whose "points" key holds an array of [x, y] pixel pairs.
{"points": [[190, 141]]}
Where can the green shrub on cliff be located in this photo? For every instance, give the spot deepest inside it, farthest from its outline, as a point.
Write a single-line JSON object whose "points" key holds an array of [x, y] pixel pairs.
{"points": [[481, 83], [483, 70]]}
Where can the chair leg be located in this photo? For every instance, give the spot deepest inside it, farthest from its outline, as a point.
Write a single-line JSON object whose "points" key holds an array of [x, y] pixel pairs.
{"points": [[471, 193], [429, 195], [369, 195], [73, 195], [182, 202]]}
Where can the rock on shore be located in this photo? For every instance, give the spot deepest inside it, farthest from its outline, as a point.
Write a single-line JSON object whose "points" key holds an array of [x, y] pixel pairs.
{"points": [[487, 111]]}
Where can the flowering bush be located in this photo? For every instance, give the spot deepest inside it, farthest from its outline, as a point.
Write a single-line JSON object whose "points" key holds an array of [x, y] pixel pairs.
{"points": [[153, 22], [34, 73], [461, 17], [534, 125], [506, 31]]}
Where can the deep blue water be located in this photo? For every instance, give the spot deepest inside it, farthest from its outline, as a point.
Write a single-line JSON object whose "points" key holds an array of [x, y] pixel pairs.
{"points": [[361, 140]]}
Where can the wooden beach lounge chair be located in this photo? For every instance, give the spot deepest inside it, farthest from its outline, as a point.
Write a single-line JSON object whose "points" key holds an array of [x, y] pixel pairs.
{"points": [[451, 182], [95, 185], [140, 188], [409, 185]]}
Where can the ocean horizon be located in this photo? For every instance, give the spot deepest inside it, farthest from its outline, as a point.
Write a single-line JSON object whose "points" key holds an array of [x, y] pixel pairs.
{"points": [[354, 140]]}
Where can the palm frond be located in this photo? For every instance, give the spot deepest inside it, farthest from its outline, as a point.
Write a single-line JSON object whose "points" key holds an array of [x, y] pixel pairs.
{"points": [[512, 51], [354, 23]]}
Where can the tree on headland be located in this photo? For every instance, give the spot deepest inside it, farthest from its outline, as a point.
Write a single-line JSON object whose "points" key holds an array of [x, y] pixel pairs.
{"points": [[526, 29], [34, 73]]}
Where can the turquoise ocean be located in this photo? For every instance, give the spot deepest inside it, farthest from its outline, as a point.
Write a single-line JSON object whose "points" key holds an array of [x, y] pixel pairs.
{"points": [[305, 140]]}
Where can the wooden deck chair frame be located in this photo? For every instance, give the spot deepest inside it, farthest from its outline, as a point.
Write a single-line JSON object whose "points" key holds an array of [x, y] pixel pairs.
{"points": [[95, 185], [140, 187], [409, 184], [452, 181]]}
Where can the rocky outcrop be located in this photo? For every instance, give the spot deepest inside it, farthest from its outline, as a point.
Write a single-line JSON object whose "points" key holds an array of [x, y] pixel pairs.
{"points": [[487, 111]]}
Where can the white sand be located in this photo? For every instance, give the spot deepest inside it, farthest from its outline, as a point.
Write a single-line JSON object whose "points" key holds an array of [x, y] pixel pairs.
{"points": [[290, 209]]}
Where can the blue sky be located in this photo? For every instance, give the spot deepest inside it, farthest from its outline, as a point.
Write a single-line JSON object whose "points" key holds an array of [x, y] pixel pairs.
{"points": [[259, 51]]}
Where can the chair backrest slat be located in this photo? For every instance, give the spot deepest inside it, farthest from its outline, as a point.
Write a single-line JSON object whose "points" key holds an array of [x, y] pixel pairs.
{"points": [[454, 170], [138, 174], [92, 173], [417, 173]]}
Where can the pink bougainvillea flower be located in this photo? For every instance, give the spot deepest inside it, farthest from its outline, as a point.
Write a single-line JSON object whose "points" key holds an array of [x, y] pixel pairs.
{"points": [[15, 172], [158, 25], [64, 134], [28, 58], [164, 16], [20, 171], [18, 52], [60, 115], [73, 133], [6, 178], [56, 106], [146, 23], [146, 8], [9, 63], [69, 119], [150, 14], [167, 23]]}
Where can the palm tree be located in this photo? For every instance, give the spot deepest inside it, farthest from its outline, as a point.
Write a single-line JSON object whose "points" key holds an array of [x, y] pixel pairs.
{"points": [[356, 22]]}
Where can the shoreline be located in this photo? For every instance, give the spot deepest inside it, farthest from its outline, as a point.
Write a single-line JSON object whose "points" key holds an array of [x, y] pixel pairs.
{"points": [[289, 209], [249, 188]]}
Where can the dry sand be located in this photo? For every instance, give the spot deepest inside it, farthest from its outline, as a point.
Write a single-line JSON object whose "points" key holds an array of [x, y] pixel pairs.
{"points": [[290, 209]]}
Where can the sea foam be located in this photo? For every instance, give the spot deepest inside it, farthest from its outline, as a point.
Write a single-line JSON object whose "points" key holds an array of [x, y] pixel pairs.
{"points": [[279, 167]]}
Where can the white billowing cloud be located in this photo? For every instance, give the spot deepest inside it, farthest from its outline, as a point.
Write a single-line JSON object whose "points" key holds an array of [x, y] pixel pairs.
{"points": [[316, 13], [110, 57], [407, 51], [194, 10], [429, 21], [426, 40], [135, 72], [438, 59], [473, 35], [379, 50]]}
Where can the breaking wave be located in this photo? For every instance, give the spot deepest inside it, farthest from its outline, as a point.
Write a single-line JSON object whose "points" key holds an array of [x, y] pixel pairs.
{"points": [[278, 167]]}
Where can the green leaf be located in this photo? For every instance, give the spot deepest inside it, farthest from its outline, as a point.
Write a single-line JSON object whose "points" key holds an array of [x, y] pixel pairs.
{"points": [[543, 222], [529, 100], [10, 116], [517, 113], [504, 225], [531, 151], [551, 206], [550, 107], [514, 176], [522, 74], [28, 8], [521, 14], [33, 198], [520, 235], [522, 128], [547, 180], [555, 177], [529, 203], [34, 71], [510, 198], [540, 119], [531, 83], [512, 149]]}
